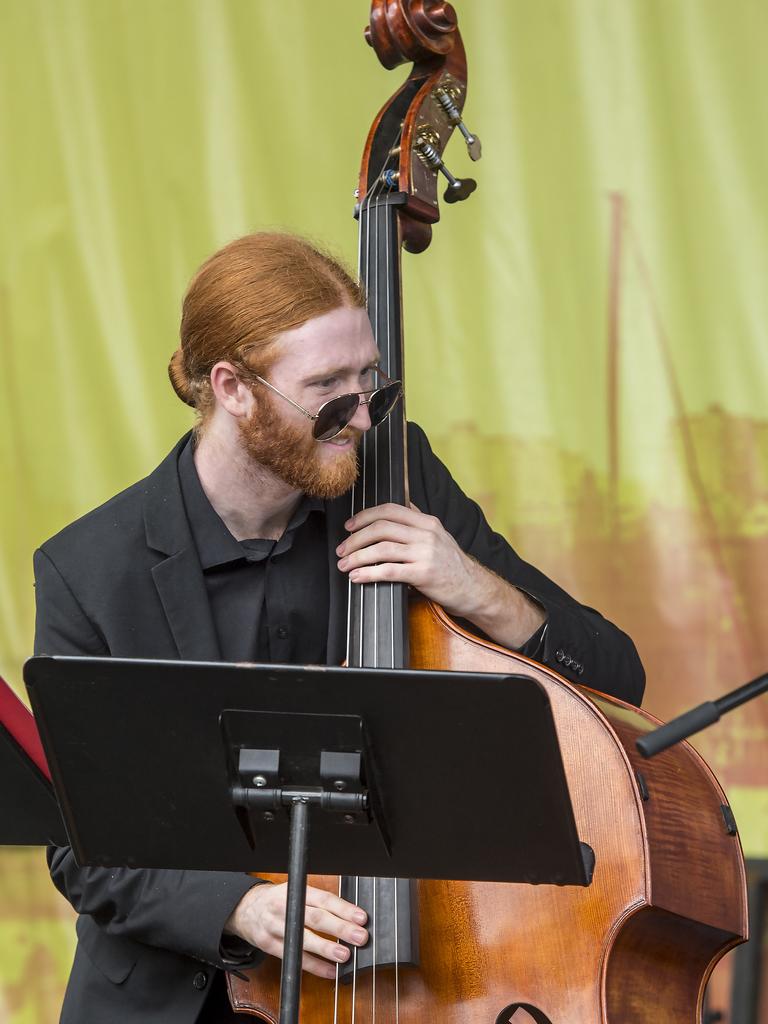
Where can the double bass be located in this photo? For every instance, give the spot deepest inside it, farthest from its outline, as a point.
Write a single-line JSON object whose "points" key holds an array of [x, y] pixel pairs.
{"points": [[668, 894]]}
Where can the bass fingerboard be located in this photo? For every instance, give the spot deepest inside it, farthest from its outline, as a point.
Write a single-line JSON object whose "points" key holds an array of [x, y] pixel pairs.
{"points": [[376, 633]]}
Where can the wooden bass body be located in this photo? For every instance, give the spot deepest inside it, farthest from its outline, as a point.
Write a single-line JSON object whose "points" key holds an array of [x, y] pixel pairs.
{"points": [[667, 900]]}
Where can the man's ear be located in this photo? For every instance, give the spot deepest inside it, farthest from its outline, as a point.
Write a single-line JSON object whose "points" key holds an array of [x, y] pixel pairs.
{"points": [[231, 393]]}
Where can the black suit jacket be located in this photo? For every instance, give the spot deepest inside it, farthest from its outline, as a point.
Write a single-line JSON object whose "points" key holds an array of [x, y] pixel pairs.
{"points": [[125, 581]]}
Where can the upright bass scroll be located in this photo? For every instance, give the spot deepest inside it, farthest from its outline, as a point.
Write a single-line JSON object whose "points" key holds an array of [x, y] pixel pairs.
{"points": [[404, 149]]}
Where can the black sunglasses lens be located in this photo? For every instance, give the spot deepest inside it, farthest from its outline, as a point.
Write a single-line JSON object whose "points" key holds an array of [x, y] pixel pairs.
{"points": [[334, 416], [382, 402]]}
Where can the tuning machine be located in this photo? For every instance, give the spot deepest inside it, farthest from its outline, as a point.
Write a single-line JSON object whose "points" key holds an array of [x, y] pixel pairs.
{"points": [[452, 112], [458, 188]]}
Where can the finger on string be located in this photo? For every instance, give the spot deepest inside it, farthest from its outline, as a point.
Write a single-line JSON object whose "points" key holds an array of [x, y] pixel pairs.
{"points": [[317, 966], [386, 551], [335, 905], [318, 955], [387, 572], [391, 511], [381, 530], [325, 949], [321, 966], [329, 924]]}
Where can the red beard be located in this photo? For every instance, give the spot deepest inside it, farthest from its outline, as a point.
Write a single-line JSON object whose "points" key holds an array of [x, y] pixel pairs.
{"points": [[292, 454]]}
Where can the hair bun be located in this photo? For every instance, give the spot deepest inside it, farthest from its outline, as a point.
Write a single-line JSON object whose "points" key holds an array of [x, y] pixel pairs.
{"points": [[179, 378]]}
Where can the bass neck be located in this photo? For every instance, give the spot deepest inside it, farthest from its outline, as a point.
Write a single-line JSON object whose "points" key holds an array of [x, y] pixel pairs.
{"points": [[377, 612]]}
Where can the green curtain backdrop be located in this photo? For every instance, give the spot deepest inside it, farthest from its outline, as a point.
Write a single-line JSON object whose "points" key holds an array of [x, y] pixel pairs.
{"points": [[586, 337]]}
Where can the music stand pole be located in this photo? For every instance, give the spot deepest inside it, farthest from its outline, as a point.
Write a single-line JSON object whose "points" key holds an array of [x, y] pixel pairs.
{"points": [[290, 979]]}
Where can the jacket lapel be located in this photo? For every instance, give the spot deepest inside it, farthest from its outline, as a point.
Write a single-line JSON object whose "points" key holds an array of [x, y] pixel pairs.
{"points": [[178, 577]]}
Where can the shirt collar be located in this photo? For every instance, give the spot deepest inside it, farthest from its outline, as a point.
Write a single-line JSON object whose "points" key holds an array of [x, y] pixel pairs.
{"points": [[215, 544]]}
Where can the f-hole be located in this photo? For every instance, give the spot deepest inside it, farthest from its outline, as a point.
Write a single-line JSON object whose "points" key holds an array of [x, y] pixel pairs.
{"points": [[529, 1013]]}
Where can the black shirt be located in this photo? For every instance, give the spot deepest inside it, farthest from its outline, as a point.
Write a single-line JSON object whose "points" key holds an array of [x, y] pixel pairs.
{"points": [[268, 598]]}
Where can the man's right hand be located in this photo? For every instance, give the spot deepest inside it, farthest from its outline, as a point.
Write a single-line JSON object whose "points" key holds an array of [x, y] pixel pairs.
{"points": [[259, 919]]}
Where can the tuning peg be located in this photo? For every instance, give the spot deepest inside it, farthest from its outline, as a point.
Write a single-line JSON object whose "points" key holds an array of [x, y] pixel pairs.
{"points": [[453, 113], [458, 188]]}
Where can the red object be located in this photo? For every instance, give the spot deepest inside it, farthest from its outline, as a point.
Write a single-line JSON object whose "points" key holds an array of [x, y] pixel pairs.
{"points": [[19, 721]]}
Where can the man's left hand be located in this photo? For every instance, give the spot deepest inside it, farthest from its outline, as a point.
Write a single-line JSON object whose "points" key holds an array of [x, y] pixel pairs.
{"points": [[396, 543]]}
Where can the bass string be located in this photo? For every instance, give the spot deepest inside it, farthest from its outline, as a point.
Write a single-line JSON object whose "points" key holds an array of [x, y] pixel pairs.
{"points": [[382, 211], [390, 342], [375, 440]]}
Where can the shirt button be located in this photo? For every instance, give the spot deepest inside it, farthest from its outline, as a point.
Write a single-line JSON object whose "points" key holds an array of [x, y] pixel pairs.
{"points": [[560, 654], [200, 980], [282, 633]]}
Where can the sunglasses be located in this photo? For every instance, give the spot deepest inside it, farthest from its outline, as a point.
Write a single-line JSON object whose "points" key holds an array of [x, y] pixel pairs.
{"points": [[332, 416]]}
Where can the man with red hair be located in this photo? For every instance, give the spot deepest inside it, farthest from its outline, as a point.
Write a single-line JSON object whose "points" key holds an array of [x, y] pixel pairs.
{"points": [[222, 553]]}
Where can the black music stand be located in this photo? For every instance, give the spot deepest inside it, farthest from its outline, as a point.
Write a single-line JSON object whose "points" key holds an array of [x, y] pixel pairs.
{"points": [[29, 814], [403, 774]]}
